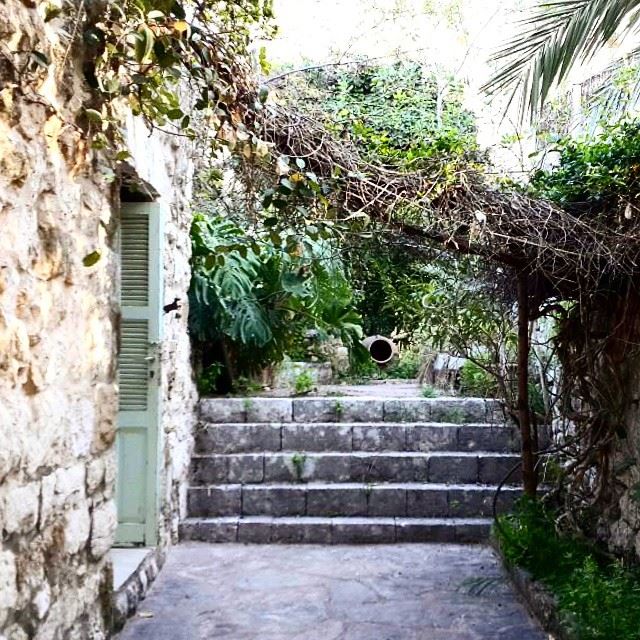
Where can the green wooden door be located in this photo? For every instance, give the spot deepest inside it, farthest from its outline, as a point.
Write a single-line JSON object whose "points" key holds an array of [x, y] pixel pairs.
{"points": [[137, 440]]}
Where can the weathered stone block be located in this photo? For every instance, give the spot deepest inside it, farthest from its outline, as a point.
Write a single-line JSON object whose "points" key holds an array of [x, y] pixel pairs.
{"points": [[20, 505], [218, 530], [301, 467], [456, 410], [103, 527], [472, 532], [273, 501], [316, 410], [70, 484], [238, 438], [494, 468], [466, 503], [332, 501], [224, 409], [77, 528], [387, 502], [8, 583], [363, 531], [453, 469], [209, 469], [487, 438], [255, 530], [429, 437], [246, 467], [379, 438], [316, 437], [301, 530], [427, 503], [208, 502], [407, 410], [360, 410], [269, 410], [414, 530], [389, 468]]}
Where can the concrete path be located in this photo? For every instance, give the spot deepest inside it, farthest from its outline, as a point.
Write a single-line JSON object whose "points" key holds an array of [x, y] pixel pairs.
{"points": [[385, 592]]}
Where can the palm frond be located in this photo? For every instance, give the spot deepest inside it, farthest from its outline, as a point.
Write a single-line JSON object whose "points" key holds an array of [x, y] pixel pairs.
{"points": [[554, 37]]}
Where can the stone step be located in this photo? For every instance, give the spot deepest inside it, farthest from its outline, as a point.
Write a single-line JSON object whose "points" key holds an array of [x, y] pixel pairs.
{"points": [[440, 467], [258, 437], [261, 530], [350, 409], [411, 500]]}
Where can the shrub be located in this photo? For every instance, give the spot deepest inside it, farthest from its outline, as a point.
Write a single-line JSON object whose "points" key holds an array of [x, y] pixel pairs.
{"points": [[476, 381], [598, 598]]}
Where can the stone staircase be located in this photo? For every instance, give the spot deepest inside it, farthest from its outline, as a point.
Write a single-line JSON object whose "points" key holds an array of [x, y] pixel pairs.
{"points": [[348, 470]]}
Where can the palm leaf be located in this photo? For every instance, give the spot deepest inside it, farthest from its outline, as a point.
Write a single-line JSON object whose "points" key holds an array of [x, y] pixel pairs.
{"points": [[554, 37]]}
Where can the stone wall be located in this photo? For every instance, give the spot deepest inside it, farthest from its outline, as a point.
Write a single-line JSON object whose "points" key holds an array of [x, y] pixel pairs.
{"points": [[57, 348], [58, 342]]}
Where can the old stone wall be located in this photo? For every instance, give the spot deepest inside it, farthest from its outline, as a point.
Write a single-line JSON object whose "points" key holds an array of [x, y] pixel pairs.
{"points": [[58, 337], [57, 344]]}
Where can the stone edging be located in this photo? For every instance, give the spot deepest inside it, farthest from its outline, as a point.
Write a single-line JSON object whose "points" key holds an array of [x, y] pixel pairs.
{"points": [[126, 599], [542, 604]]}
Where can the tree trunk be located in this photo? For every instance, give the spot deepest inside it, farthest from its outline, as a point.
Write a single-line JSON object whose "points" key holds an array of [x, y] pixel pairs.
{"points": [[528, 459]]}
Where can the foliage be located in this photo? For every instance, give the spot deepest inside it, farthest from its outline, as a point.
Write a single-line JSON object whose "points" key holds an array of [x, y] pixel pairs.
{"points": [[476, 381], [390, 284], [600, 173], [553, 38], [183, 65], [400, 114], [251, 292], [208, 379], [303, 383], [598, 598], [429, 392], [407, 366]]}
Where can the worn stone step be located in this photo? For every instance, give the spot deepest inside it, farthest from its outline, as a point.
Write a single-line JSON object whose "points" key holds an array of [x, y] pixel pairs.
{"points": [[264, 529], [349, 499], [442, 467], [350, 409], [257, 437]]}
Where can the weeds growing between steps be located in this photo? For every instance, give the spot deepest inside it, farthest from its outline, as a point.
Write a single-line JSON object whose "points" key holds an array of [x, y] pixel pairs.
{"points": [[598, 597]]}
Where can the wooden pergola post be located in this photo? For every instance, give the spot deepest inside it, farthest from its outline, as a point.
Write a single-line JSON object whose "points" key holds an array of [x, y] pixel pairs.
{"points": [[529, 476]]}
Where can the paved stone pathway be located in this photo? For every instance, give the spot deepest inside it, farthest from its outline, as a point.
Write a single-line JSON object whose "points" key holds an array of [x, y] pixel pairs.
{"points": [[288, 592]]}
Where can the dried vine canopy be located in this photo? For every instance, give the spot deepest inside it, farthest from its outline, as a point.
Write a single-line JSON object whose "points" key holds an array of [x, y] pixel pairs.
{"points": [[454, 204]]}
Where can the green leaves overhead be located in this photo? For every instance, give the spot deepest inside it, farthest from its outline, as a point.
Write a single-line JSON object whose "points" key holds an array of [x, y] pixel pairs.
{"points": [[553, 38], [597, 175], [143, 51]]}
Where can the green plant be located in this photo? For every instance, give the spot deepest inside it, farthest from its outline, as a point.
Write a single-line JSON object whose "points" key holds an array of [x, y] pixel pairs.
{"points": [[429, 392], [206, 381], [298, 460], [596, 173], [598, 598], [476, 381], [304, 383], [258, 293], [408, 364], [554, 38]]}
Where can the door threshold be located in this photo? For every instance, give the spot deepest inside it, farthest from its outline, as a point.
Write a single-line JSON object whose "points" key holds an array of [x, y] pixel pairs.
{"points": [[134, 570]]}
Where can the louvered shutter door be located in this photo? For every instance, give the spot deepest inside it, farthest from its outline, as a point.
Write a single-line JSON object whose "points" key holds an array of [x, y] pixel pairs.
{"points": [[138, 372]]}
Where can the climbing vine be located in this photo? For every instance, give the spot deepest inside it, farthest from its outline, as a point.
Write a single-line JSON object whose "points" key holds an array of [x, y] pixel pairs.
{"points": [[184, 66]]}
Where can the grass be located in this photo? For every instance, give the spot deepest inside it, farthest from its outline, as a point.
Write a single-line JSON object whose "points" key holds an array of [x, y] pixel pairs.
{"points": [[598, 597], [429, 392]]}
